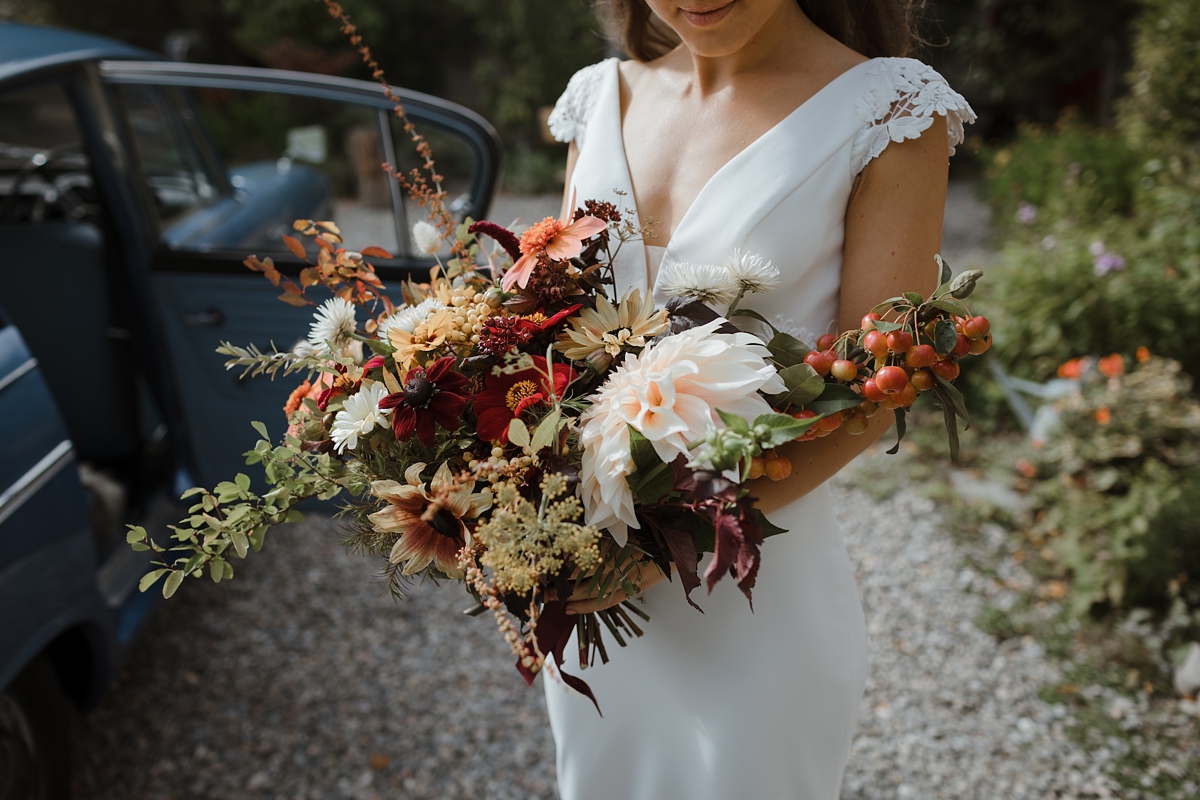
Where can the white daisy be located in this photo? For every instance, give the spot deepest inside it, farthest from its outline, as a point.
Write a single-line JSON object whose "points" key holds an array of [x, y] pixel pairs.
{"points": [[426, 238], [408, 318], [359, 416], [751, 273], [709, 283], [333, 324]]}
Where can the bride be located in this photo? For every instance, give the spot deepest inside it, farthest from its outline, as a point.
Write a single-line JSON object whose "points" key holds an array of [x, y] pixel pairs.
{"points": [[796, 131]]}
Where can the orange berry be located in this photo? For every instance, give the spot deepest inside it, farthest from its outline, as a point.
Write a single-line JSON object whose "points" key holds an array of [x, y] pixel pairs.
{"points": [[758, 467], [778, 468]]}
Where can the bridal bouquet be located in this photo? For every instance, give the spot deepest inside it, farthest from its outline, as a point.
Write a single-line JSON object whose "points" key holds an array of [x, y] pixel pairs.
{"points": [[519, 425]]}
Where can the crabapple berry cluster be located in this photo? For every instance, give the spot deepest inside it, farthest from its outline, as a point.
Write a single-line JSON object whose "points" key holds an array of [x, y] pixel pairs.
{"points": [[903, 348]]}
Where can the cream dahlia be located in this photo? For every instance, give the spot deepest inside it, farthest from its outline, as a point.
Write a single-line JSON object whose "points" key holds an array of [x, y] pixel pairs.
{"points": [[670, 394]]}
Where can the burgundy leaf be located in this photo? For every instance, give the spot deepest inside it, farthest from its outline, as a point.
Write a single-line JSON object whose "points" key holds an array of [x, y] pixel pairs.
{"points": [[683, 553], [554, 629]]}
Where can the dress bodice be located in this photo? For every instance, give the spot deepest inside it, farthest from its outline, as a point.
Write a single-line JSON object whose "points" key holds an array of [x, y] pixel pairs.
{"points": [[784, 196]]}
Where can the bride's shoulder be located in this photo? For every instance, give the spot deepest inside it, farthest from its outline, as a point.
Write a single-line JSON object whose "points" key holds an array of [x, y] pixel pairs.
{"points": [[568, 121], [901, 100]]}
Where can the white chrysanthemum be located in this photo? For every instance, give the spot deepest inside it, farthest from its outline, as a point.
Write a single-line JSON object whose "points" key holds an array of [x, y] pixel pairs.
{"points": [[303, 349], [333, 324], [408, 318], [359, 416], [427, 239], [670, 394], [751, 273], [711, 284]]}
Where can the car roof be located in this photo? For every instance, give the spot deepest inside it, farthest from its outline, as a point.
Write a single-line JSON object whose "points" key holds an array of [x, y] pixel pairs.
{"points": [[29, 48]]}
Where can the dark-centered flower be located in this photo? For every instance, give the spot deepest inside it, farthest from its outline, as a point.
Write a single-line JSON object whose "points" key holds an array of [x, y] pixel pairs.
{"points": [[430, 397], [507, 396]]}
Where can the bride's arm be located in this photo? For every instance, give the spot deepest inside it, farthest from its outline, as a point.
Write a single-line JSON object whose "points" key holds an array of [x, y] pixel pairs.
{"points": [[572, 157], [893, 231]]}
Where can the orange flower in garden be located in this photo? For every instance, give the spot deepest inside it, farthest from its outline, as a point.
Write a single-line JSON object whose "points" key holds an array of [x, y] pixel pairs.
{"points": [[1103, 415], [1143, 354], [1112, 366], [559, 239], [1072, 369]]}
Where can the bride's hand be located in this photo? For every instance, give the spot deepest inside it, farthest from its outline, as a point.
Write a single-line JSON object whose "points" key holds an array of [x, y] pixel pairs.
{"points": [[645, 576]]}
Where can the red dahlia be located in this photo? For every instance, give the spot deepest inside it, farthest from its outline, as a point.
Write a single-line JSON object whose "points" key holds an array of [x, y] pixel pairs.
{"points": [[430, 398]]}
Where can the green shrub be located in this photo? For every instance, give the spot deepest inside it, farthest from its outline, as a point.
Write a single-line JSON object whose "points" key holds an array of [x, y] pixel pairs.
{"points": [[1164, 101], [1120, 488]]}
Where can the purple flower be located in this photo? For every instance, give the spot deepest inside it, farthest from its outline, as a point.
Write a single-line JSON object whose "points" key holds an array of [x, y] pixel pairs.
{"points": [[1026, 213], [1108, 262]]}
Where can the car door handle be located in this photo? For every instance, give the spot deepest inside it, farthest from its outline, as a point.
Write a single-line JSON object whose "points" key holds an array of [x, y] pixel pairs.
{"points": [[210, 318]]}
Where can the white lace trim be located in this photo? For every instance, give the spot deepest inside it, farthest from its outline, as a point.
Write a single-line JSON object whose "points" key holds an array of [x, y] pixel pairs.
{"points": [[568, 121], [903, 98]]}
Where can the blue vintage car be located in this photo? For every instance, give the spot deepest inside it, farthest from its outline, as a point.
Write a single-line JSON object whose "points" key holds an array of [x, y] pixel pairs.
{"points": [[131, 190]]}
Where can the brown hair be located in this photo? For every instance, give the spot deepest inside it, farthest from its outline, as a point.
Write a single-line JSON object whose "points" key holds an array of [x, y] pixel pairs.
{"points": [[872, 27]]}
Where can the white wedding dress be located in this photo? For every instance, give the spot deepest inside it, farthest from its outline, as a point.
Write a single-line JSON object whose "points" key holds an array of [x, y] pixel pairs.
{"points": [[734, 704]]}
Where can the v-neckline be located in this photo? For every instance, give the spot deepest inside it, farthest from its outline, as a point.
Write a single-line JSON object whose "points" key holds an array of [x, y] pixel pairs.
{"points": [[620, 117]]}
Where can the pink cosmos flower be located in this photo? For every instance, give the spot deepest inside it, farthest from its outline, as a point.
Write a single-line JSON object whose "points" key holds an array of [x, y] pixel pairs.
{"points": [[560, 239]]}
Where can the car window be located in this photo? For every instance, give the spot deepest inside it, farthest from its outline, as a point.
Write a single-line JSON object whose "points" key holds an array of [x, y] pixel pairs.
{"points": [[455, 163], [172, 166], [44, 169]]}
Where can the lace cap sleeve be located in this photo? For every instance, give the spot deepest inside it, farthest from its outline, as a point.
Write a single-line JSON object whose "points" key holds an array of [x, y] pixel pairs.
{"points": [[900, 104], [568, 121]]}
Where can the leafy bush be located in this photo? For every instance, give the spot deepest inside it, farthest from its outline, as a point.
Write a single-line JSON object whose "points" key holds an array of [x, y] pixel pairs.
{"points": [[1164, 102], [1119, 492]]}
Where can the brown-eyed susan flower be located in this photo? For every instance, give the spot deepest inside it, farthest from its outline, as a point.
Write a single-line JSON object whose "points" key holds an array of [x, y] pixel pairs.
{"points": [[599, 335], [429, 519]]}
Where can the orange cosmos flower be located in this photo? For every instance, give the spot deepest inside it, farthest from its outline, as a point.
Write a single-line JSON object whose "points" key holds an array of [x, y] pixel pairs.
{"points": [[1112, 366], [560, 239]]}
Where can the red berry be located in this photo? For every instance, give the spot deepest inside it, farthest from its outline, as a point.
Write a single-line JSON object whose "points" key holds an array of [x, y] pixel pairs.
{"points": [[891, 380], [875, 343], [921, 355], [976, 327], [872, 392], [889, 403], [899, 341], [981, 346], [844, 370], [923, 380], [825, 341], [906, 396], [805, 414], [831, 423], [868, 322], [962, 346], [945, 368], [819, 362], [856, 423]]}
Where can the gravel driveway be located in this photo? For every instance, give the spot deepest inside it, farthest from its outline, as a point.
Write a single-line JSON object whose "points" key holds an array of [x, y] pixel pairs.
{"points": [[299, 680]]}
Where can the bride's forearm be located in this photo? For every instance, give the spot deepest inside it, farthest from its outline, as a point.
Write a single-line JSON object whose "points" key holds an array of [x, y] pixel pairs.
{"points": [[815, 462]]}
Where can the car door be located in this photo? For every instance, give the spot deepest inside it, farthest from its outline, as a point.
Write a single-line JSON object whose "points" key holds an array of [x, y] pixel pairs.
{"points": [[226, 159]]}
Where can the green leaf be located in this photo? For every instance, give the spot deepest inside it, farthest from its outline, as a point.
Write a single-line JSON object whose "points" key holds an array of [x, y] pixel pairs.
{"points": [[294, 516], [944, 271], [787, 350], [883, 326], [944, 337], [951, 429], [746, 312], [149, 579], [136, 534], [243, 481], [803, 385], [655, 485], [951, 305], [546, 431], [887, 305], [768, 528], [900, 427], [256, 540], [914, 298], [949, 393], [835, 397], [241, 544], [642, 452], [964, 283], [262, 429], [734, 422], [172, 584], [195, 490], [782, 428], [518, 434]]}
